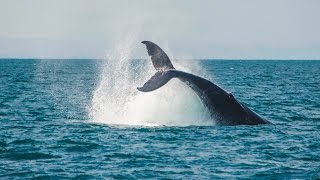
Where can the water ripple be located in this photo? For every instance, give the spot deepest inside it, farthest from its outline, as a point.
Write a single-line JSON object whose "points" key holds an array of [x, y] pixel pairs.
{"points": [[46, 133]]}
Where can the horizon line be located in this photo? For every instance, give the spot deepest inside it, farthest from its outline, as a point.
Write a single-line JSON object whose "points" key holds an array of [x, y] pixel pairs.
{"points": [[85, 58]]}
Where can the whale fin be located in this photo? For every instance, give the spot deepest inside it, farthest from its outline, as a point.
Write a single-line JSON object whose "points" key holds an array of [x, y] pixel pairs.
{"points": [[156, 81], [159, 58]]}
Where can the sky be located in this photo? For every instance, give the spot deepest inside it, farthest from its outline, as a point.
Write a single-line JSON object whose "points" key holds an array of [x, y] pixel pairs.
{"points": [[195, 29]]}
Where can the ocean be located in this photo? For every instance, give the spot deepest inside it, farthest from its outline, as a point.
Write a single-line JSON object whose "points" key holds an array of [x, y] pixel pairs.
{"points": [[85, 119]]}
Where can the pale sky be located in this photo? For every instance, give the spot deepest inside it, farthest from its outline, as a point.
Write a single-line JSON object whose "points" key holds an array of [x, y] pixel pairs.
{"points": [[220, 29]]}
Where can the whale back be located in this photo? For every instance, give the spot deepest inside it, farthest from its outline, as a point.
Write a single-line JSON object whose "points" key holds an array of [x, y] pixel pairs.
{"points": [[223, 106]]}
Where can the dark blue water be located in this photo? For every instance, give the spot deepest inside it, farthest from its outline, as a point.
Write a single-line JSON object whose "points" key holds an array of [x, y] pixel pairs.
{"points": [[45, 128]]}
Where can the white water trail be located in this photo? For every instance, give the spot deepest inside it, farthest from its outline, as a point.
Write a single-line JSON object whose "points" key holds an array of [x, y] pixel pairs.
{"points": [[117, 101]]}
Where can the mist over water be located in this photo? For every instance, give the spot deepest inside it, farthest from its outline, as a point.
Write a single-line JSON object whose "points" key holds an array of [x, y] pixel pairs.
{"points": [[116, 99]]}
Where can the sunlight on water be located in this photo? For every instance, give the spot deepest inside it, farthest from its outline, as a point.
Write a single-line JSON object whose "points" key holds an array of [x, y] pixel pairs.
{"points": [[117, 101]]}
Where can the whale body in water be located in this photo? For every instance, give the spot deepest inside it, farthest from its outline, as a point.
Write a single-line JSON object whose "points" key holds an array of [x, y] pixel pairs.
{"points": [[222, 106]]}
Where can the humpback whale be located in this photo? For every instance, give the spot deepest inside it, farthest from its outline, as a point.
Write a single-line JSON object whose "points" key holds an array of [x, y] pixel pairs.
{"points": [[224, 109]]}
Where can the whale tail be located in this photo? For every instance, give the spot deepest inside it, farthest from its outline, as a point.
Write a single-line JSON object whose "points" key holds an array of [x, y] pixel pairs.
{"points": [[156, 81], [159, 58], [161, 63]]}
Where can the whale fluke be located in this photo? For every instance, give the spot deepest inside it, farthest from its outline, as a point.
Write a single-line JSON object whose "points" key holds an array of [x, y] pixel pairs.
{"points": [[159, 58], [156, 81]]}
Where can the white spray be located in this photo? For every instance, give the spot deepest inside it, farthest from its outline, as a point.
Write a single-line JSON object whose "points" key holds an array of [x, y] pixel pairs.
{"points": [[117, 101]]}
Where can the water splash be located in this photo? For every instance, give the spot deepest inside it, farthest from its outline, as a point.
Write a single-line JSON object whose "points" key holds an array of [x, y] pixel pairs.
{"points": [[117, 101]]}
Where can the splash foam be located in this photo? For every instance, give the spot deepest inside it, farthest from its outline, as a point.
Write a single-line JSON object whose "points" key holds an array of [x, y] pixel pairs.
{"points": [[117, 101]]}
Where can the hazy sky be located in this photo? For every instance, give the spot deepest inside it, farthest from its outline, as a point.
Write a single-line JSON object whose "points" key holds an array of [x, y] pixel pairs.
{"points": [[246, 29]]}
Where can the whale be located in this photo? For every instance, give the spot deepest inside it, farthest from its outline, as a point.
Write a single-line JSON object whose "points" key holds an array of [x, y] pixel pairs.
{"points": [[224, 108]]}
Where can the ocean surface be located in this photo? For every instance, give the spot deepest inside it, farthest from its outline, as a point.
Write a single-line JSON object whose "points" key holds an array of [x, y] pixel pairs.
{"points": [[85, 119]]}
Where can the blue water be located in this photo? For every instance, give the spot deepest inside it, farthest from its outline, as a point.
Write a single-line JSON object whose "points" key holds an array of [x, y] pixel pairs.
{"points": [[46, 131]]}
